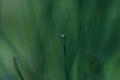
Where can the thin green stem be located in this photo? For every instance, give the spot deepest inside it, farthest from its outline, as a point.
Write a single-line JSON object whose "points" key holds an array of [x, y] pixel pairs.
{"points": [[17, 69], [65, 56]]}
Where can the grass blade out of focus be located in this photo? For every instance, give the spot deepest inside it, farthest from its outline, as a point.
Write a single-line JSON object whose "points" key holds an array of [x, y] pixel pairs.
{"points": [[29, 29]]}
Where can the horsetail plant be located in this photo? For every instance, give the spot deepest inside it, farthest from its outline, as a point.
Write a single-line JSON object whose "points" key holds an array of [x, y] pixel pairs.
{"points": [[17, 68], [65, 55]]}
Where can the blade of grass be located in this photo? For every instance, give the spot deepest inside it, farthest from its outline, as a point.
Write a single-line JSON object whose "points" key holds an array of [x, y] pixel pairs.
{"points": [[65, 55], [17, 69]]}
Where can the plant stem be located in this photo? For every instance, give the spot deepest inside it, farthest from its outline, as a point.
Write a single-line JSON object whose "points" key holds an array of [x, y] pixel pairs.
{"points": [[17, 69], [65, 59]]}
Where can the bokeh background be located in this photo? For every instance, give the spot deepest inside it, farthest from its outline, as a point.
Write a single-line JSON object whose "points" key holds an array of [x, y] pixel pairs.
{"points": [[30, 31]]}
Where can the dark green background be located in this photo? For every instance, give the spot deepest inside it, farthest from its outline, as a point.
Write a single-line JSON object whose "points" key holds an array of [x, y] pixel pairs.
{"points": [[30, 30]]}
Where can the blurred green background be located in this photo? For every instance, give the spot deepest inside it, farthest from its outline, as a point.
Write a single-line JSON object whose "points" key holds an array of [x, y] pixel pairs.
{"points": [[30, 30]]}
